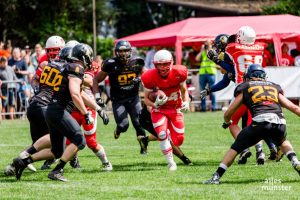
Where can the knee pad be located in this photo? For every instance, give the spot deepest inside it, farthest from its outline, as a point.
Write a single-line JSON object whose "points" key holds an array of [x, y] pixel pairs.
{"points": [[179, 140], [91, 141], [162, 135], [79, 141]]}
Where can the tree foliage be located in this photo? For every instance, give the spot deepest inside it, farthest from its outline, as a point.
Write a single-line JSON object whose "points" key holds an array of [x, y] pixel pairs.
{"points": [[284, 7]]}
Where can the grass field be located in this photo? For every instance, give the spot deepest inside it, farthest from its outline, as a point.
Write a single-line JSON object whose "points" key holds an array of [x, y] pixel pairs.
{"points": [[147, 177]]}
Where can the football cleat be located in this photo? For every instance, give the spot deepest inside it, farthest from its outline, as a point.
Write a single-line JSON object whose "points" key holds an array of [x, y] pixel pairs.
{"points": [[143, 143], [47, 164], [19, 165], [172, 166], [10, 170], [116, 134], [57, 175], [260, 158], [186, 160], [296, 166], [107, 167], [75, 162], [25, 154], [244, 155], [215, 179], [273, 154]]}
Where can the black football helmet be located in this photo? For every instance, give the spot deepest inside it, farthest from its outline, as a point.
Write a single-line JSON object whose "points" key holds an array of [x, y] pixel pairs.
{"points": [[65, 54], [123, 50], [255, 71], [221, 42], [84, 53]]}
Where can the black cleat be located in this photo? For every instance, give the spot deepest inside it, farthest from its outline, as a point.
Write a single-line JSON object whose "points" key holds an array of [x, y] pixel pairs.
{"points": [[116, 134], [186, 160], [143, 143], [244, 155], [47, 164], [273, 154], [19, 165], [215, 179], [75, 162], [10, 170], [260, 158], [57, 175]]}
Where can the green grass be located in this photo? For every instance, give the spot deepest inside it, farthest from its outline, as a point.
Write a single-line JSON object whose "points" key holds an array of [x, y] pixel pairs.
{"points": [[147, 177]]}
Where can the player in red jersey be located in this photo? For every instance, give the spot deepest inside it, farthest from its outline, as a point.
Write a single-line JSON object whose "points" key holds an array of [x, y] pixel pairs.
{"points": [[89, 130], [166, 114]]}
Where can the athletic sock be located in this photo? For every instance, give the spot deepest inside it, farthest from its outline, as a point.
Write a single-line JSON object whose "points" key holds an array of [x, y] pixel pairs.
{"points": [[166, 149], [291, 155], [258, 147], [27, 160], [221, 169], [102, 155], [61, 164], [31, 150]]}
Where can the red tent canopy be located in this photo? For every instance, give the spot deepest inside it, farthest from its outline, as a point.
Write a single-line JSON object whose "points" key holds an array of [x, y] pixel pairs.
{"points": [[274, 28]]}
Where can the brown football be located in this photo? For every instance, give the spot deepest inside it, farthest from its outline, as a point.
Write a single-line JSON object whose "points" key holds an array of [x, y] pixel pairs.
{"points": [[153, 95]]}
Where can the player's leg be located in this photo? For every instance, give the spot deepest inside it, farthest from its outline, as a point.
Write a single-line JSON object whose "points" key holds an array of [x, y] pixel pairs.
{"points": [[247, 137], [160, 123], [121, 118], [134, 107], [202, 85], [211, 82]]}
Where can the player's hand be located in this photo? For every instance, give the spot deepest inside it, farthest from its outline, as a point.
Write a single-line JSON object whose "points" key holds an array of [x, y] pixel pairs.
{"points": [[225, 125], [88, 118], [204, 93], [100, 102], [159, 101], [185, 106], [213, 55], [103, 115], [136, 80]]}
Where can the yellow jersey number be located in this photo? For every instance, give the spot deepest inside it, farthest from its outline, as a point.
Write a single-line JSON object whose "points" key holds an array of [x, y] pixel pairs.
{"points": [[51, 77], [264, 93], [126, 79]]}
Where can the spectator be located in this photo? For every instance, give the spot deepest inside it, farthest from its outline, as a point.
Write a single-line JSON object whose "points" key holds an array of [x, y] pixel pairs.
{"points": [[38, 51], [31, 72], [3, 52], [27, 50], [267, 58], [286, 59], [7, 89], [296, 52], [194, 64], [207, 75], [149, 57]]}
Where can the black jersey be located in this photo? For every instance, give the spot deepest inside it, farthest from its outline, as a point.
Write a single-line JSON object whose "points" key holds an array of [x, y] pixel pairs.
{"points": [[260, 97], [120, 78], [47, 83]]}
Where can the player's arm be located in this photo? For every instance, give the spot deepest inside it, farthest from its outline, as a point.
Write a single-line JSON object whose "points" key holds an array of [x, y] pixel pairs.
{"points": [[74, 87], [284, 102], [97, 79], [233, 108], [184, 91], [147, 101]]}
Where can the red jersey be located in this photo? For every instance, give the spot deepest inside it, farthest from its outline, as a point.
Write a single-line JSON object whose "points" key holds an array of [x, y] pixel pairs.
{"points": [[243, 56], [170, 85], [286, 60]]}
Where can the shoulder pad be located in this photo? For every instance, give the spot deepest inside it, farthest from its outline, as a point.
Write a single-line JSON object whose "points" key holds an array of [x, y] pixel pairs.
{"points": [[75, 69], [239, 89]]}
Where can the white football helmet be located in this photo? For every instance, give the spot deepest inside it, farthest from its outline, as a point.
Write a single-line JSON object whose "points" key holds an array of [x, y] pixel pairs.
{"points": [[71, 43], [163, 61], [53, 45], [245, 35]]}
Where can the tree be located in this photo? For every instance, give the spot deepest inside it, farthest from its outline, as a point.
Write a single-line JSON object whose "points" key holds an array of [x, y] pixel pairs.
{"points": [[284, 7]]}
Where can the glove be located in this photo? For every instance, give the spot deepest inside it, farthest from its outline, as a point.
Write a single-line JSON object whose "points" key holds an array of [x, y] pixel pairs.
{"points": [[136, 80], [185, 106], [213, 56], [225, 125], [159, 101], [204, 93], [103, 115], [88, 118], [100, 102]]}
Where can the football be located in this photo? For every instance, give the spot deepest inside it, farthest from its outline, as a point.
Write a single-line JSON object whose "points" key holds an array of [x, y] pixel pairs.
{"points": [[153, 95]]}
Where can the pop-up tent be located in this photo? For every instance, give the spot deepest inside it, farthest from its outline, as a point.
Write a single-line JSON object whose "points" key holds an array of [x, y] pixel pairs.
{"points": [[274, 28]]}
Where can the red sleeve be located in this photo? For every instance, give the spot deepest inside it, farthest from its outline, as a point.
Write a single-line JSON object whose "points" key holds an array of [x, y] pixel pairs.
{"points": [[183, 72], [146, 80]]}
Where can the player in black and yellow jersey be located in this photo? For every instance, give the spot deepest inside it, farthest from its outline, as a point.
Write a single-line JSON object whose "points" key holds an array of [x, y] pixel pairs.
{"points": [[265, 100], [124, 77], [66, 84]]}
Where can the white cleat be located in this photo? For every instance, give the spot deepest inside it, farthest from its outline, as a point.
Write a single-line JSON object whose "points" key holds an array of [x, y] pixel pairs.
{"points": [[23, 155], [107, 167], [172, 166]]}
